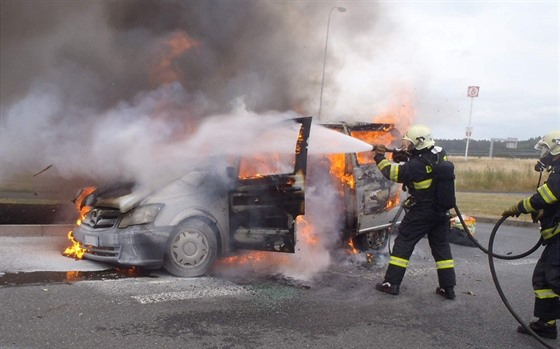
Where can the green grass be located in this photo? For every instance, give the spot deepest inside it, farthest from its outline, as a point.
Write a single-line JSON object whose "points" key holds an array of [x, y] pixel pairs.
{"points": [[495, 175], [489, 205], [486, 187]]}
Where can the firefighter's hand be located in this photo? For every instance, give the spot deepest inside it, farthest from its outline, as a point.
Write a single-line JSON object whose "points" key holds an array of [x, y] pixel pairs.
{"points": [[379, 149], [400, 156], [512, 211], [537, 215]]}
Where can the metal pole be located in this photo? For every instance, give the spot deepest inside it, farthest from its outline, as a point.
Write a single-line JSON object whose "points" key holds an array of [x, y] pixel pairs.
{"points": [[469, 131], [341, 9]]}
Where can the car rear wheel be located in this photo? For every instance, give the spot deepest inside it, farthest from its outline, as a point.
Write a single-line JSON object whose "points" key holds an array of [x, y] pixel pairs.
{"points": [[191, 249]]}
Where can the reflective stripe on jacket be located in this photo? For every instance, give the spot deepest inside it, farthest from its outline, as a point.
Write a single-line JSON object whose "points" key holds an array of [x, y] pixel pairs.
{"points": [[547, 199], [415, 174]]}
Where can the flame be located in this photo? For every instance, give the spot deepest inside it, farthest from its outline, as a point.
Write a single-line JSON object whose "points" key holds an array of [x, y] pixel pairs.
{"points": [[248, 259], [257, 166], [400, 111], [165, 70], [73, 275], [353, 249], [306, 233], [338, 170], [75, 250], [393, 201], [372, 137], [79, 201]]}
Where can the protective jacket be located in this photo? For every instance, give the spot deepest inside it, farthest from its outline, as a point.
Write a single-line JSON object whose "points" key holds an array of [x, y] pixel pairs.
{"points": [[416, 174], [547, 199], [546, 275], [422, 216]]}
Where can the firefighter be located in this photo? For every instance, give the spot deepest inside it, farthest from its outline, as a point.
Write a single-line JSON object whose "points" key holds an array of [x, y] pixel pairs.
{"points": [[423, 216], [544, 207]]}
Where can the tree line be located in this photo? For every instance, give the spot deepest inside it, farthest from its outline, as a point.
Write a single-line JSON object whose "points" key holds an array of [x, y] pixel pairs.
{"points": [[525, 148]]}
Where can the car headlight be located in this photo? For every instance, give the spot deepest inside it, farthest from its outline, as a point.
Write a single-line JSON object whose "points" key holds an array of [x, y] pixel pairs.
{"points": [[141, 215]]}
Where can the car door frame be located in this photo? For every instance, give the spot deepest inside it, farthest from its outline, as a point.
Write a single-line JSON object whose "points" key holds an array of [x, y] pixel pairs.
{"points": [[263, 209]]}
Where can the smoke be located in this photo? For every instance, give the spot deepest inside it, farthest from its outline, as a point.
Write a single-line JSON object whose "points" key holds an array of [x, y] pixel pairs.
{"points": [[75, 75], [111, 91]]}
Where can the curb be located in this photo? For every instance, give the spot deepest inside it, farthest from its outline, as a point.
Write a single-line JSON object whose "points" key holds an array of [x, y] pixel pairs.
{"points": [[512, 222], [35, 230]]}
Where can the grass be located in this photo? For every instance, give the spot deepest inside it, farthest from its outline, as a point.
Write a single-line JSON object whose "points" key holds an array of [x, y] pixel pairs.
{"points": [[495, 175], [486, 187], [489, 205]]}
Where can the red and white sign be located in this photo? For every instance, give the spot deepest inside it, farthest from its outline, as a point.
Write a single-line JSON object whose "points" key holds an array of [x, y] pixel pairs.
{"points": [[472, 91]]}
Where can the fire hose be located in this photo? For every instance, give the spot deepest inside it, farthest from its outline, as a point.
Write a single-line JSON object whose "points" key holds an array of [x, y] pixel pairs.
{"points": [[491, 256], [499, 288]]}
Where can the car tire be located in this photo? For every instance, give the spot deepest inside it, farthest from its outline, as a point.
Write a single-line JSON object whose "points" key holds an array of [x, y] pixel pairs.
{"points": [[191, 249]]}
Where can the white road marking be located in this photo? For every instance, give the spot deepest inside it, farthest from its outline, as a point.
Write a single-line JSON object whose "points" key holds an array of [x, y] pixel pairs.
{"points": [[191, 294], [523, 261]]}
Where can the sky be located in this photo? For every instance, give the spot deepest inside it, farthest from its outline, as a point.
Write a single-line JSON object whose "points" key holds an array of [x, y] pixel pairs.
{"points": [[92, 79], [437, 49]]}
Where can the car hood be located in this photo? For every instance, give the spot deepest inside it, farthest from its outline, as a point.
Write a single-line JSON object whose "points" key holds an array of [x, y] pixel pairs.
{"points": [[125, 196]]}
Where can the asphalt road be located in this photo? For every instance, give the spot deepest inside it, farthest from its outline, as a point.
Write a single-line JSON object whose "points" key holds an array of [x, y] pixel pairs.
{"points": [[242, 308]]}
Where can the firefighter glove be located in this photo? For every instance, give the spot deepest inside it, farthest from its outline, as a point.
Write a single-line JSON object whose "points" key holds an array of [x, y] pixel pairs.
{"points": [[537, 215], [512, 211], [379, 149], [400, 156]]}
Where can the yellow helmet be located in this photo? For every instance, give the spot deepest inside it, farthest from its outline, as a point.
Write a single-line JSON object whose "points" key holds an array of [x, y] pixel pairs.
{"points": [[420, 136], [550, 143]]}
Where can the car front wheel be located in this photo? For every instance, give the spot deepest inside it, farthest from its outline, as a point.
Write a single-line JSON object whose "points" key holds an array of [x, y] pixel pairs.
{"points": [[191, 249]]}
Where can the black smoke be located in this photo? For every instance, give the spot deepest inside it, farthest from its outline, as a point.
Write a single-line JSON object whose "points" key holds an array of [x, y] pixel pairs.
{"points": [[78, 89], [101, 52]]}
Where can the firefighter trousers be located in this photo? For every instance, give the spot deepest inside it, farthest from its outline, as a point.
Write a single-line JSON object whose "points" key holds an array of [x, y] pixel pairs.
{"points": [[418, 222], [546, 282]]}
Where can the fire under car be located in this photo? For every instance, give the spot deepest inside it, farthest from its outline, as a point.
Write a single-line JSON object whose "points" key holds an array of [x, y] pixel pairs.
{"points": [[208, 213]]}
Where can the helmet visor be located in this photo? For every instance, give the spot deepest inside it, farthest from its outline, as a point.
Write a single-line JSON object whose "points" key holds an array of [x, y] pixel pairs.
{"points": [[406, 144], [543, 147]]}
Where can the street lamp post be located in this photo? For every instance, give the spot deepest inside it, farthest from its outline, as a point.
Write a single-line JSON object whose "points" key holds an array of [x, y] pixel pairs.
{"points": [[340, 9]]}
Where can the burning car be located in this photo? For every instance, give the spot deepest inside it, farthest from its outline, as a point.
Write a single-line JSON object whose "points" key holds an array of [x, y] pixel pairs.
{"points": [[214, 211], [370, 201]]}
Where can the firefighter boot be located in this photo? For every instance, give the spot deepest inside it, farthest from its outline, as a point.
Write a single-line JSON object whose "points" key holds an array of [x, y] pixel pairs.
{"points": [[541, 328], [447, 292], [386, 286]]}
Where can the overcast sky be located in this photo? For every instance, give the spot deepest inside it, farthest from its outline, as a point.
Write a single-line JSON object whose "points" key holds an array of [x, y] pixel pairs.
{"points": [[435, 50]]}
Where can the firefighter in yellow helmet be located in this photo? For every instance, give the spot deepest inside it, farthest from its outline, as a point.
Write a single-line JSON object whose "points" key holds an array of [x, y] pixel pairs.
{"points": [[423, 215], [544, 207]]}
